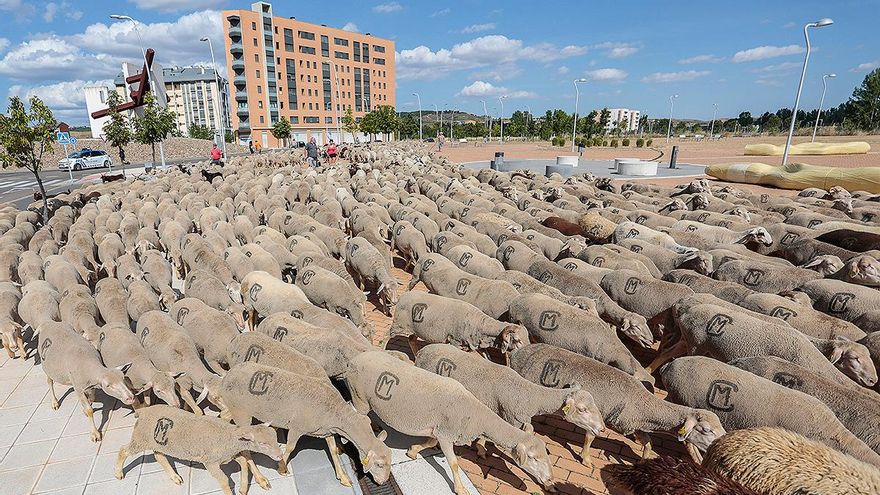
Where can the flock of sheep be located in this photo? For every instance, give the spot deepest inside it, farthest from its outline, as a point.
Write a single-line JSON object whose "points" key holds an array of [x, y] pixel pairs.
{"points": [[247, 294]]}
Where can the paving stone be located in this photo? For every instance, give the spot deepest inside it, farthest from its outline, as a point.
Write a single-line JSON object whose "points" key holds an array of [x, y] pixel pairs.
{"points": [[431, 477], [8, 434], [63, 474], [319, 483], [159, 483], [18, 415], [27, 455], [73, 447], [74, 490], [105, 464], [40, 430], [127, 486], [115, 439], [19, 481]]}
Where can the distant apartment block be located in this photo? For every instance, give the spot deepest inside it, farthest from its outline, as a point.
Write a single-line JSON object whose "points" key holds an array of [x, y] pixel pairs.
{"points": [[307, 73], [631, 118]]}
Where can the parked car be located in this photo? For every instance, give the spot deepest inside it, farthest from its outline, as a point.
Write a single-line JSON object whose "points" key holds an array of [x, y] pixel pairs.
{"points": [[85, 158]]}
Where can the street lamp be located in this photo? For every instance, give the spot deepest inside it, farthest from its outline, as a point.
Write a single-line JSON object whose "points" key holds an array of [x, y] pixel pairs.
{"points": [[714, 113], [146, 67], [797, 100], [489, 119], [821, 101], [332, 67], [220, 92], [671, 108], [577, 95], [437, 116], [528, 119], [420, 115], [501, 116]]}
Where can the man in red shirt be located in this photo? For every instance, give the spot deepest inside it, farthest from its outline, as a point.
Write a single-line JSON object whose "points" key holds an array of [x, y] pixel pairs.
{"points": [[216, 155]]}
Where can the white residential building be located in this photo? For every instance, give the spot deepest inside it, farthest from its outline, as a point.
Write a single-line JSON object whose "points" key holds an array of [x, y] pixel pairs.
{"points": [[631, 117], [96, 99]]}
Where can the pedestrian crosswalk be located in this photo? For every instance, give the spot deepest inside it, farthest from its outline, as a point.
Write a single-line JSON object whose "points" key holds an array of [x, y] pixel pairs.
{"points": [[9, 185]]}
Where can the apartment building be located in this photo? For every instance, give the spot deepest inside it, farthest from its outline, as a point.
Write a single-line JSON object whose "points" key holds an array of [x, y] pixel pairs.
{"points": [[631, 117], [307, 73]]}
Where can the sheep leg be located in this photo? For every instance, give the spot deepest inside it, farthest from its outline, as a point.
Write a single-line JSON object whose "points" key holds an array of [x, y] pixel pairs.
{"points": [[89, 412], [252, 319], [168, 468], [244, 481], [52, 393], [216, 367], [124, 452], [189, 401], [341, 475], [292, 438], [449, 453], [258, 476], [413, 451], [8, 349], [585, 452], [20, 341], [220, 476], [645, 440], [148, 398], [694, 452], [666, 355], [413, 344], [481, 447]]}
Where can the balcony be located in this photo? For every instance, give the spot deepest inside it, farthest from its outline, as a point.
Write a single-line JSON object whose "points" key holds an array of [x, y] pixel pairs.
{"points": [[238, 64], [242, 111], [239, 80], [241, 96], [233, 19], [235, 32], [236, 49]]}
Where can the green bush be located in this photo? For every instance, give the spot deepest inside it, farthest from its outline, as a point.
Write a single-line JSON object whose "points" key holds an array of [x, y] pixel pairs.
{"points": [[554, 142], [605, 143], [648, 142], [625, 141], [597, 141], [614, 143], [588, 142], [562, 141], [640, 142]]}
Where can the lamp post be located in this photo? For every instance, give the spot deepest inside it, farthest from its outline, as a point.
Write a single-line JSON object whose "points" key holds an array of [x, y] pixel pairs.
{"points": [[671, 108], [577, 96], [437, 116], [420, 115], [219, 95], [714, 113], [489, 119], [501, 116], [147, 68], [820, 23], [528, 120], [821, 102]]}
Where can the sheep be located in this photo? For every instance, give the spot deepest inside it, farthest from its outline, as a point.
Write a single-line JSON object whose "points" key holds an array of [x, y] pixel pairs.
{"points": [[327, 263], [525, 284], [9, 256], [443, 278], [632, 230], [10, 328], [763, 277], [841, 299], [69, 359], [171, 349], [552, 322], [166, 430], [30, 267], [111, 299], [668, 475], [632, 325], [61, 273], [78, 308], [118, 346], [210, 329], [277, 297], [515, 255], [508, 394], [626, 406], [418, 402], [644, 295], [743, 400], [409, 242], [474, 262], [311, 406], [802, 316], [438, 319], [210, 289], [856, 409], [712, 235], [39, 303], [728, 291], [775, 460], [860, 270], [444, 241], [608, 257], [369, 269], [141, 299], [128, 269], [158, 273], [325, 289]]}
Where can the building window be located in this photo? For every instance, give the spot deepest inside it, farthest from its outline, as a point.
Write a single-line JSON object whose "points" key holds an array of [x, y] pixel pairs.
{"points": [[294, 120], [378, 49], [340, 41], [256, 57], [379, 61], [258, 73], [259, 90], [288, 39], [255, 42], [306, 49], [311, 120], [357, 51], [262, 120], [306, 35], [325, 46], [366, 56], [253, 26], [342, 55], [276, 29], [260, 104], [328, 120]]}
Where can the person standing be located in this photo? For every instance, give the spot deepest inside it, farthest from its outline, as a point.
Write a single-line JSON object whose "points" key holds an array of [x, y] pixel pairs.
{"points": [[259, 147], [251, 145], [440, 140], [216, 155], [331, 152], [312, 152]]}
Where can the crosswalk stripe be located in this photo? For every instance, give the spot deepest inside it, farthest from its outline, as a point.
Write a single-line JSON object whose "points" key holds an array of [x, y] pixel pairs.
{"points": [[53, 181], [19, 183]]}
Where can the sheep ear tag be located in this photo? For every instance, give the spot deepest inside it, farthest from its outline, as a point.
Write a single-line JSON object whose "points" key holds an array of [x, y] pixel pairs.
{"points": [[566, 408], [682, 433]]}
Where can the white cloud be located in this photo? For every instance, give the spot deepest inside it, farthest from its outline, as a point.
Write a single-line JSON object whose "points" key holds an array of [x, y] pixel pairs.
{"points": [[618, 50], [476, 28], [10, 4], [699, 59], [52, 58], [51, 10], [789, 25], [176, 5], [441, 12], [4, 44], [606, 74], [350, 26], [493, 50], [65, 99], [778, 68], [388, 7], [775, 83], [666, 77], [563, 70], [482, 88], [865, 67], [501, 72], [65, 8], [765, 52]]}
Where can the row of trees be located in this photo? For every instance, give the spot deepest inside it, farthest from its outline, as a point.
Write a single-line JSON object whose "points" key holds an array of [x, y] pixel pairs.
{"points": [[382, 120]]}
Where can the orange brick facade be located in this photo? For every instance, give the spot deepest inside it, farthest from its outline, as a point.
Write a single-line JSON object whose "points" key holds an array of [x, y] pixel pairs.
{"points": [[307, 73]]}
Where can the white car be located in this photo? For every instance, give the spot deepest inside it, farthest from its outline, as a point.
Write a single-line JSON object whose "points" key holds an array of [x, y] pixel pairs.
{"points": [[85, 158]]}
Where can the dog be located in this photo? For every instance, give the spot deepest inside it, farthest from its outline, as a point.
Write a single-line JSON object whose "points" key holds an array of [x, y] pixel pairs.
{"points": [[210, 176]]}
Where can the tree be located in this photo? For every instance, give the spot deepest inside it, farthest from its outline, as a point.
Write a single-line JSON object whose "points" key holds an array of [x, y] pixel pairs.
{"points": [[369, 124], [387, 119], [745, 119], [281, 130], [197, 131], [349, 124], [154, 125], [25, 137], [773, 123], [864, 104], [117, 130], [409, 127], [604, 118]]}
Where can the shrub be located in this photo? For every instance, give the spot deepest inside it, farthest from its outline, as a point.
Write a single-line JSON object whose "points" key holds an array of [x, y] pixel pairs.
{"points": [[625, 142], [588, 142], [614, 143], [648, 142], [597, 142], [605, 142], [554, 141], [640, 142], [562, 141]]}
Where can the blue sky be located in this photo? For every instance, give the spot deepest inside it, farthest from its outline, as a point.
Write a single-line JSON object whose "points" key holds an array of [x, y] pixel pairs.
{"points": [[743, 55]]}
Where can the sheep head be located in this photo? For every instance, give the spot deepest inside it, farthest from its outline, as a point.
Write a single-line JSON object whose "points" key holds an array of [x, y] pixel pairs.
{"points": [[757, 234], [699, 261], [862, 270], [513, 337], [581, 410], [531, 455], [377, 458], [163, 385], [797, 296], [699, 430], [854, 360], [112, 382], [636, 328], [825, 264], [388, 292], [674, 205], [741, 212], [699, 201], [262, 439], [843, 204]]}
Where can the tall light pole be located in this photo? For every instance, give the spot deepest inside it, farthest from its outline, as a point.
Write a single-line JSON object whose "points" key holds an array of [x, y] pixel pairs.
{"points": [[219, 95], [420, 115], [437, 116], [332, 67], [501, 116], [820, 23], [528, 120], [821, 102], [489, 119], [714, 113], [671, 108], [451, 121], [577, 96], [147, 68]]}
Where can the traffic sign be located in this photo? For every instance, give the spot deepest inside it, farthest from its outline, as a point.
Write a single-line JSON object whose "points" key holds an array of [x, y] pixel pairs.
{"points": [[72, 140], [62, 137]]}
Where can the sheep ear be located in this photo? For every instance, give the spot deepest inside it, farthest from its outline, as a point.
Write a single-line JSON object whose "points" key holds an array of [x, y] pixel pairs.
{"points": [[689, 424], [836, 353], [178, 374], [147, 386], [519, 454], [245, 437], [202, 395], [124, 368], [382, 436]]}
